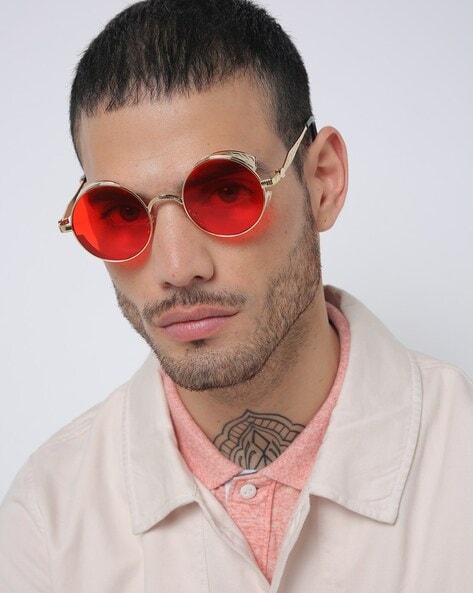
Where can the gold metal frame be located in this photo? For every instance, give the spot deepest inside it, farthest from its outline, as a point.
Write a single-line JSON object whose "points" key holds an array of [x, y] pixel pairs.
{"points": [[247, 160]]}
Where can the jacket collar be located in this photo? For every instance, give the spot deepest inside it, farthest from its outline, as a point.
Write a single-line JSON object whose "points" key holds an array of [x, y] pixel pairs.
{"points": [[157, 478], [369, 446], [364, 459]]}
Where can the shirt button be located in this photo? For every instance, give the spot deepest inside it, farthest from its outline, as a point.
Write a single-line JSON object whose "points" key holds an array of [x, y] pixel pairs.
{"points": [[248, 491]]}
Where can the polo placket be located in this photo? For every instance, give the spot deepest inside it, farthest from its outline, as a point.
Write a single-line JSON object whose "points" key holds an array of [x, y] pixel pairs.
{"points": [[249, 503]]}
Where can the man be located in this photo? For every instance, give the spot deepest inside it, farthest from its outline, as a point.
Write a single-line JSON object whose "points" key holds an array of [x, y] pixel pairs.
{"points": [[278, 438]]}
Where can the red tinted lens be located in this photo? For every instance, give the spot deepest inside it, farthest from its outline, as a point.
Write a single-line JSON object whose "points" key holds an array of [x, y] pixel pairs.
{"points": [[223, 197], [111, 223]]}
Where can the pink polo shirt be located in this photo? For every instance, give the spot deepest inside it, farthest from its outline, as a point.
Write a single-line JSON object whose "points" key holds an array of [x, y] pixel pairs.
{"points": [[261, 502]]}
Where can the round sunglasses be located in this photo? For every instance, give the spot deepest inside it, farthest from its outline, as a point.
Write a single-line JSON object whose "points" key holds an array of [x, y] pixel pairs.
{"points": [[222, 195]]}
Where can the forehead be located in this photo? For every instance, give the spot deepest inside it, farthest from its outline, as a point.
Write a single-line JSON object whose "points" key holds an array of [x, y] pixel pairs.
{"points": [[231, 115]]}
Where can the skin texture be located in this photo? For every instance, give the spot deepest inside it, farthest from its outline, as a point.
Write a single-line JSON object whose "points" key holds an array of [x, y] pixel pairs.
{"points": [[274, 351]]}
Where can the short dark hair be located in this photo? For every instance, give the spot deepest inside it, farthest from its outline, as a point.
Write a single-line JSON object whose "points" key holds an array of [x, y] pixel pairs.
{"points": [[158, 48]]}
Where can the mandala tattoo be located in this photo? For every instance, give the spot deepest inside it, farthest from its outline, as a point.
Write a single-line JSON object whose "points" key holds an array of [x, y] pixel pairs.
{"points": [[255, 440]]}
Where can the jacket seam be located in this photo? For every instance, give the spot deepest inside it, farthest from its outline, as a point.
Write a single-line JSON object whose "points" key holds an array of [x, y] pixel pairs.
{"points": [[39, 521]]}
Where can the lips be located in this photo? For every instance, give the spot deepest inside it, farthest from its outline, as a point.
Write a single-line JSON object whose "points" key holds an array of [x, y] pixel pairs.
{"points": [[197, 323]]}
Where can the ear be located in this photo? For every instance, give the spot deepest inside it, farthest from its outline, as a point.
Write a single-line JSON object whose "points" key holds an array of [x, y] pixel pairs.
{"points": [[326, 175]]}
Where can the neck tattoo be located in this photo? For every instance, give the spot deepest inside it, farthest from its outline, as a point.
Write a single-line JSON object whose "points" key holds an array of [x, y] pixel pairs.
{"points": [[254, 440]]}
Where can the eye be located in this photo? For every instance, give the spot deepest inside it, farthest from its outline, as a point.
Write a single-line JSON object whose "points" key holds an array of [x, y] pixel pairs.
{"points": [[231, 193], [120, 213], [115, 207], [222, 189]]}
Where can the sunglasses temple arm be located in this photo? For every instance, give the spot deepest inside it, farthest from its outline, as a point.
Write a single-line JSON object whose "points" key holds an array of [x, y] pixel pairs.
{"points": [[309, 125], [65, 222]]}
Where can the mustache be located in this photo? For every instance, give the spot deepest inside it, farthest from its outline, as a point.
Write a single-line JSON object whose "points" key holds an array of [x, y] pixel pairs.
{"points": [[190, 298]]}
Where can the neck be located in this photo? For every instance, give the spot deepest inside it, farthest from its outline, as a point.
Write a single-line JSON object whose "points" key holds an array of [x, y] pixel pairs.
{"points": [[285, 394]]}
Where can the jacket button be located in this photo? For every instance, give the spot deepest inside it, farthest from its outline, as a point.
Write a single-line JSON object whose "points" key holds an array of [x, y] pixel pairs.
{"points": [[248, 491]]}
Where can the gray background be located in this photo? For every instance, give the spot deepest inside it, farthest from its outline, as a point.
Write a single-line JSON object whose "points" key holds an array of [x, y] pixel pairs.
{"points": [[394, 77]]}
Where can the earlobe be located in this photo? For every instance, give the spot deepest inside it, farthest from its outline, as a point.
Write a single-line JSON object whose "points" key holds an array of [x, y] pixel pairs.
{"points": [[326, 174]]}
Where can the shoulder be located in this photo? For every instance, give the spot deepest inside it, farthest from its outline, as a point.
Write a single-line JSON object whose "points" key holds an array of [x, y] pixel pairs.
{"points": [[447, 410], [77, 432], [53, 467], [444, 380], [92, 444], [40, 497], [78, 471]]}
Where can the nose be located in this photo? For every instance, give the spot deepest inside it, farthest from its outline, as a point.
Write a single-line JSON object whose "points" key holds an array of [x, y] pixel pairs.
{"points": [[180, 252]]}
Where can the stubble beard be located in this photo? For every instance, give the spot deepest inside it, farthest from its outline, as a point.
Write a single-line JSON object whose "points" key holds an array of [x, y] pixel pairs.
{"points": [[275, 342]]}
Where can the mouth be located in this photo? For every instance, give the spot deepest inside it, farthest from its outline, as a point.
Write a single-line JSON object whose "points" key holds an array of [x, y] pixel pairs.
{"points": [[197, 323]]}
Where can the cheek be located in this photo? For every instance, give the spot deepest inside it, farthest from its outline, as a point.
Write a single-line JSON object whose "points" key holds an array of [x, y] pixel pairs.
{"points": [[288, 205], [257, 255], [116, 275], [283, 226], [127, 279]]}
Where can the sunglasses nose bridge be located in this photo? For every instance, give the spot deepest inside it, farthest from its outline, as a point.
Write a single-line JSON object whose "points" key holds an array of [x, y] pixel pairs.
{"points": [[162, 198]]}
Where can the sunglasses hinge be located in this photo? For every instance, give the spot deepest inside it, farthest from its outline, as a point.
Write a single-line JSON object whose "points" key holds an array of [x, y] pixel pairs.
{"points": [[65, 225], [276, 178]]}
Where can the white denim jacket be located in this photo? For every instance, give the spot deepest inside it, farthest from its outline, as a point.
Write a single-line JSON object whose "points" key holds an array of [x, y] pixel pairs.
{"points": [[108, 505]]}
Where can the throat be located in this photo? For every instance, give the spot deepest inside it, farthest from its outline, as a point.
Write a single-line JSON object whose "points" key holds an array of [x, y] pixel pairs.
{"points": [[255, 440]]}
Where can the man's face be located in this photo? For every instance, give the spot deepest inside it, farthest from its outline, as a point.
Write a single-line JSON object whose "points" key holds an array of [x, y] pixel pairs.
{"points": [[213, 309]]}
